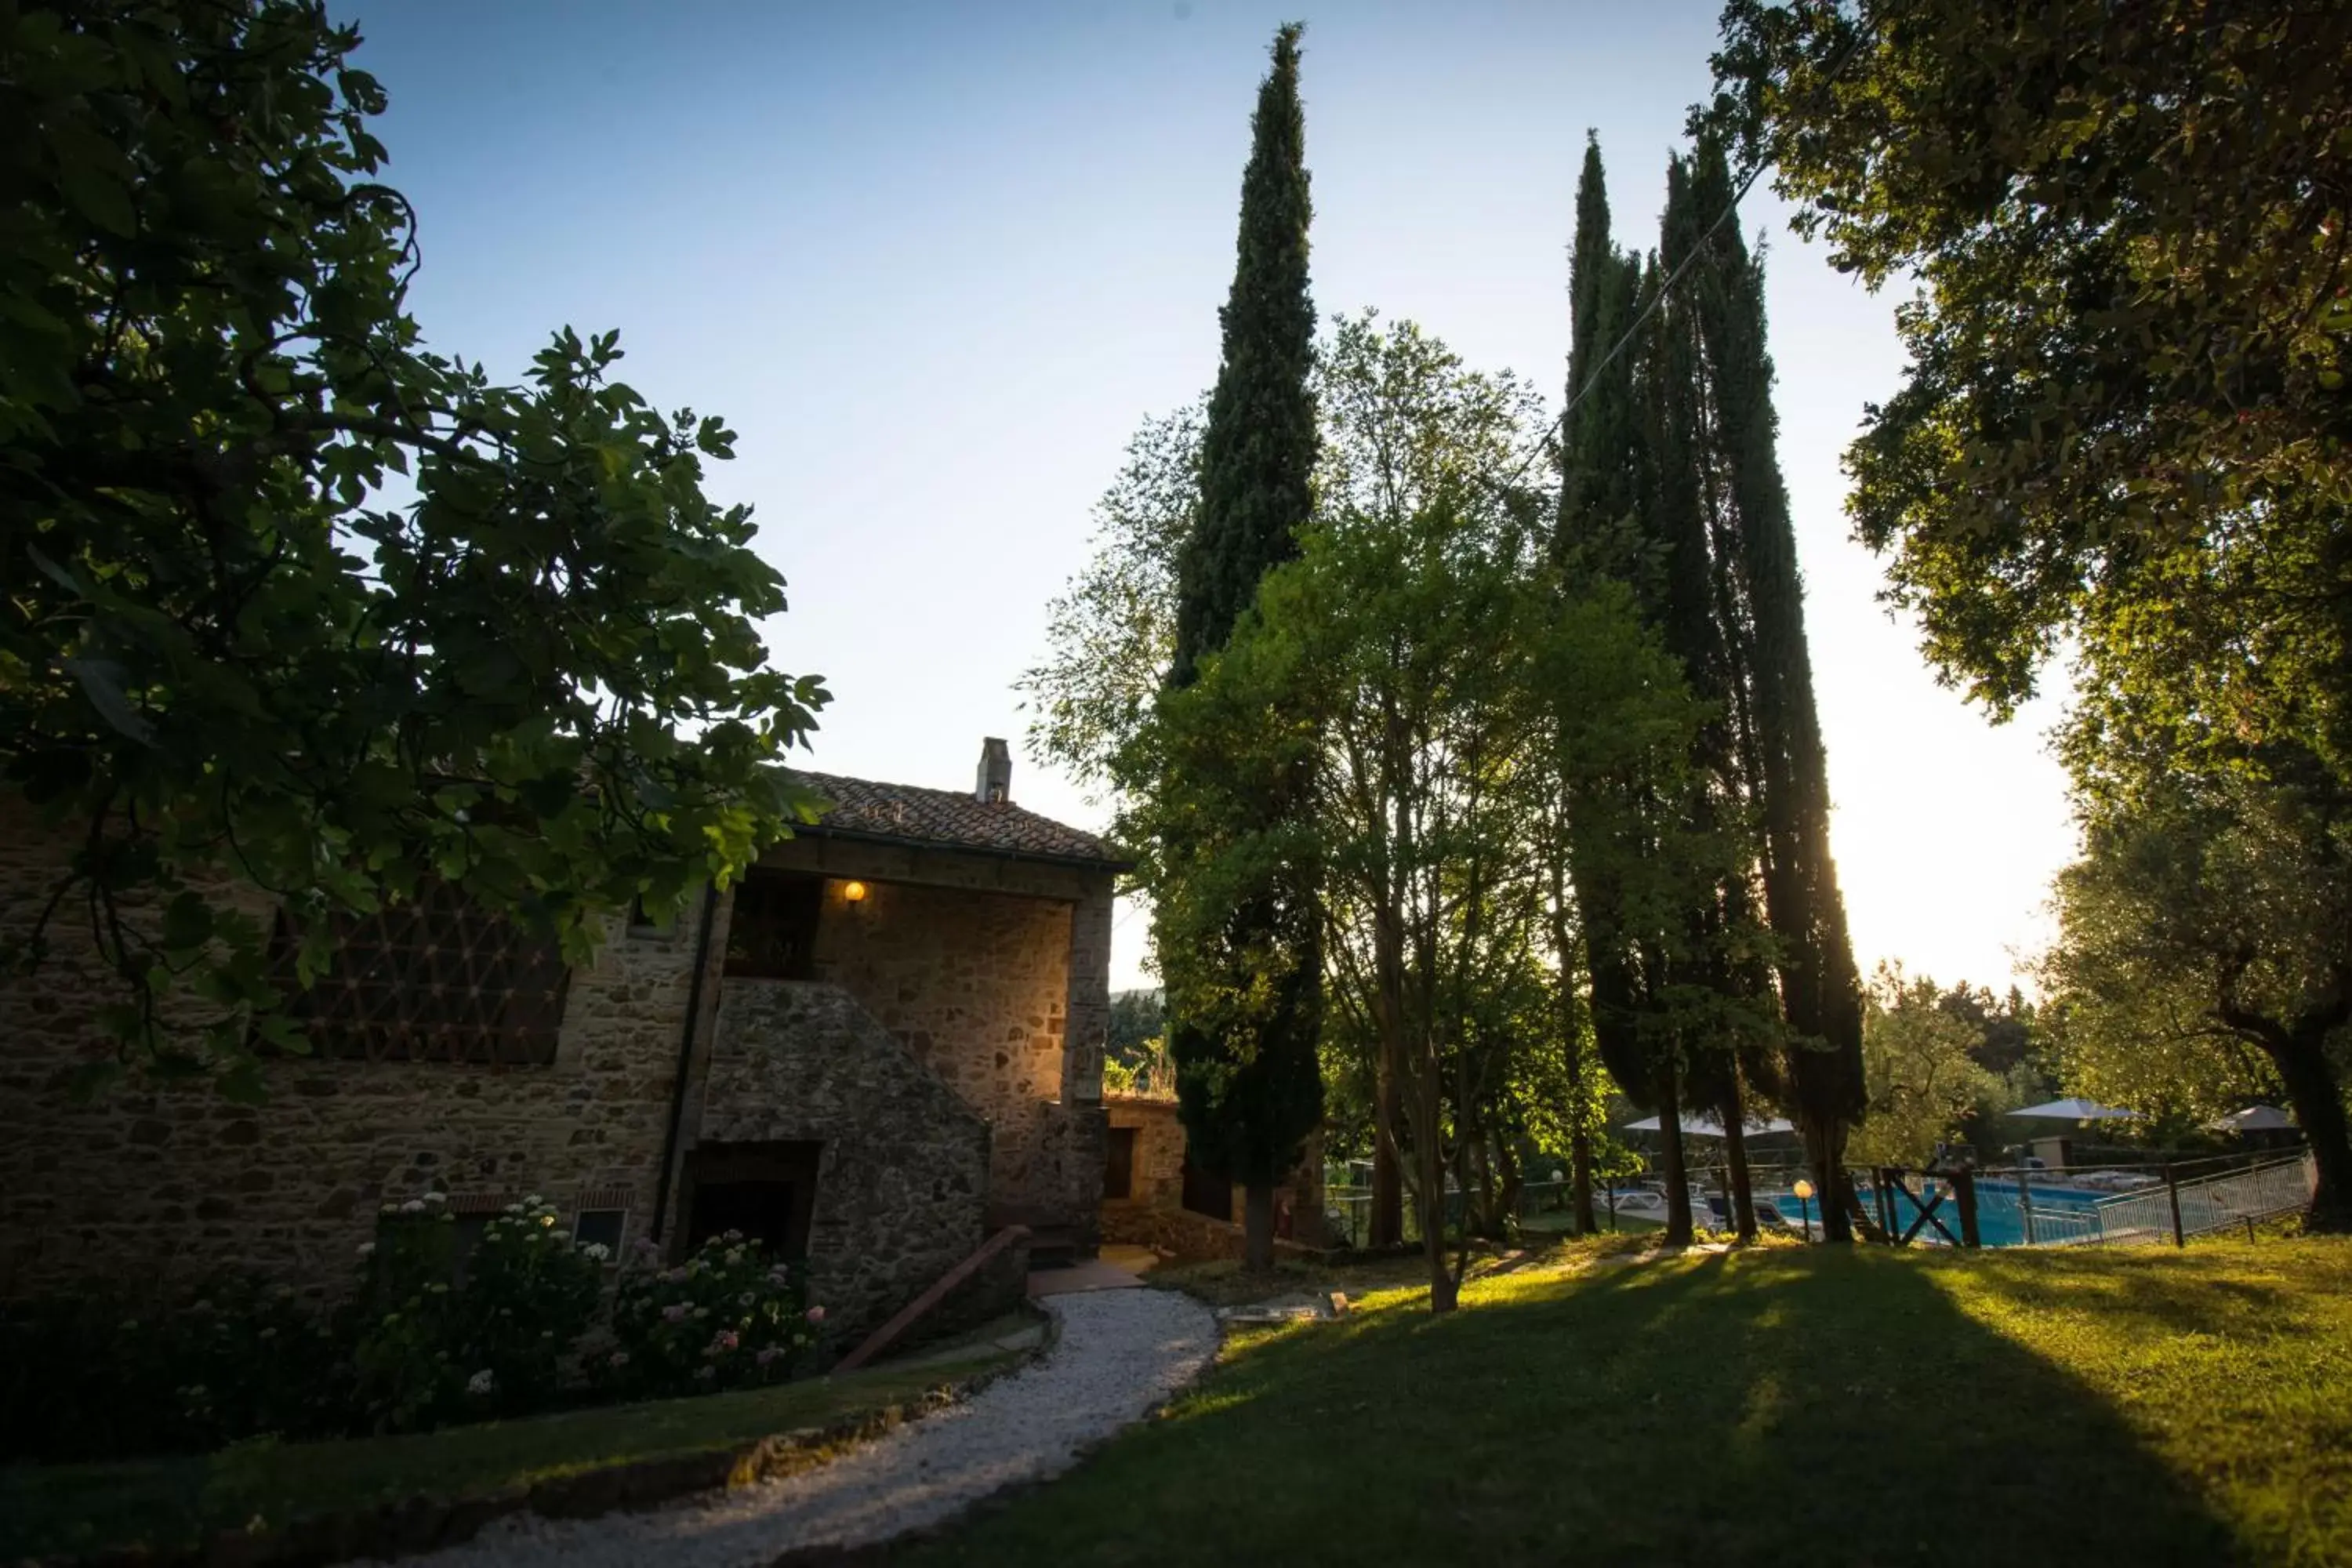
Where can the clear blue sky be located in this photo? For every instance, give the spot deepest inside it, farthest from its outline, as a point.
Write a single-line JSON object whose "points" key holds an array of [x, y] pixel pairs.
{"points": [[934, 262]]}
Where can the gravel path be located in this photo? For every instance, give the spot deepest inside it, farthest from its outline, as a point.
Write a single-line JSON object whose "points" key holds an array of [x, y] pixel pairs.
{"points": [[1119, 1353]]}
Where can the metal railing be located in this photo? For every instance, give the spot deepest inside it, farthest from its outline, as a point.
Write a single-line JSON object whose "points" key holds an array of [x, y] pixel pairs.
{"points": [[1542, 1205], [2202, 1205], [2012, 1207], [2158, 1202]]}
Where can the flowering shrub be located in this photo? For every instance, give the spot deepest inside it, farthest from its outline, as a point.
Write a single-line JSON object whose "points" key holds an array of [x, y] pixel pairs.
{"points": [[494, 1343], [428, 1340], [530, 1292], [255, 1358], [99, 1377], [729, 1317]]}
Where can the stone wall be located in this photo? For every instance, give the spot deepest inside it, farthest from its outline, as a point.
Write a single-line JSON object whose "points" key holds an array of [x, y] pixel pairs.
{"points": [[999, 1286], [1159, 1187], [1159, 1149], [1181, 1234], [902, 1177], [167, 1185], [976, 984], [996, 974]]}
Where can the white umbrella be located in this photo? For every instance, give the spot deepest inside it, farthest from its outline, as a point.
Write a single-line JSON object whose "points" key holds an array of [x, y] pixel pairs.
{"points": [[2077, 1110], [2254, 1118], [1703, 1126]]}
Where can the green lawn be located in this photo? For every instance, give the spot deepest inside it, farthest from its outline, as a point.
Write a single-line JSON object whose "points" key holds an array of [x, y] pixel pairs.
{"points": [[161, 1502], [1792, 1405]]}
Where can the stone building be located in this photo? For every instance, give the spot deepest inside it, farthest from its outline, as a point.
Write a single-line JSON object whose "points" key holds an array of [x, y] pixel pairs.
{"points": [[883, 1044], [1154, 1196]]}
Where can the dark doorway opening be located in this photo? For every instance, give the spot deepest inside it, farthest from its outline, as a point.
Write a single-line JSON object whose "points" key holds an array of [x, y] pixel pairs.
{"points": [[773, 935], [1118, 1164], [765, 1191], [1207, 1193]]}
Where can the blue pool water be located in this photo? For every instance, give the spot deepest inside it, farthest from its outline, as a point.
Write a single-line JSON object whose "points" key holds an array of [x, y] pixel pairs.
{"points": [[2059, 1213]]}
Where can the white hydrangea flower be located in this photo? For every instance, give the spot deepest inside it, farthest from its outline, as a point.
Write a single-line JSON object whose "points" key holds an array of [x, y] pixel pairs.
{"points": [[480, 1383]]}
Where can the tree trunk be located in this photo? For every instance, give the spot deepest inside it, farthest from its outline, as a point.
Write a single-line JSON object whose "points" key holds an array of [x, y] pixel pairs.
{"points": [[1670, 1129], [2318, 1104], [1386, 1227], [1858, 1220], [1429, 1186], [1508, 1183], [1735, 1159], [1257, 1227], [1579, 1164], [1822, 1153]]}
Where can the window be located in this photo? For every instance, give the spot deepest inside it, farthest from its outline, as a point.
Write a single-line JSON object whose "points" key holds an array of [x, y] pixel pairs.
{"points": [[600, 1227], [1119, 1169], [773, 933], [445, 1245], [437, 979], [767, 1191]]}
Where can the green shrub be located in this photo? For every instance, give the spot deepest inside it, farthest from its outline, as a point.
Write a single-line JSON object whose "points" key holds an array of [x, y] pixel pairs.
{"points": [[429, 1339], [729, 1317], [432, 1346], [95, 1377], [255, 1358], [421, 1344]]}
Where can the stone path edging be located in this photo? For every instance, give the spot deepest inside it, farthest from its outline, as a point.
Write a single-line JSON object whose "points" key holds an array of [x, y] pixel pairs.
{"points": [[393, 1529], [1115, 1357]]}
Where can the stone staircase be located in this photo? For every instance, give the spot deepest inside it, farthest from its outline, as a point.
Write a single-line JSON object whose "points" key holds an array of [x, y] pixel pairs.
{"points": [[1054, 1242]]}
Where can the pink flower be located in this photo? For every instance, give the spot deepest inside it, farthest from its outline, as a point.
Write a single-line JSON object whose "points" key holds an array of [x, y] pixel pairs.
{"points": [[620, 1358], [721, 1343], [771, 1353], [814, 1314], [675, 1312]]}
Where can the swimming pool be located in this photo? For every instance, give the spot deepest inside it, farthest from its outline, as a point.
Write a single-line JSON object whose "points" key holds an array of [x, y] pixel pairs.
{"points": [[2059, 1214]]}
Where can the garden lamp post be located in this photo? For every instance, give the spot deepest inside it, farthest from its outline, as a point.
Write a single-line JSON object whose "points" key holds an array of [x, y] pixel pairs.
{"points": [[1804, 1191]]}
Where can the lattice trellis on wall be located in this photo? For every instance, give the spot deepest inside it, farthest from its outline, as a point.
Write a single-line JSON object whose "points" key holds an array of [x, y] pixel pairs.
{"points": [[435, 980]]}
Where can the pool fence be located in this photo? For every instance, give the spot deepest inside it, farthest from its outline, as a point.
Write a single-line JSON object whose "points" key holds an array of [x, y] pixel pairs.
{"points": [[2114, 1205]]}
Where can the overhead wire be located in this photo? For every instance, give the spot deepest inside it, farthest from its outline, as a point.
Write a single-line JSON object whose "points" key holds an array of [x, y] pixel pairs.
{"points": [[1559, 427]]}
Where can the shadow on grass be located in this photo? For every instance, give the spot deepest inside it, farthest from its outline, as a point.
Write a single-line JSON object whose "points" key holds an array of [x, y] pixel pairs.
{"points": [[2144, 1289], [1780, 1408]]}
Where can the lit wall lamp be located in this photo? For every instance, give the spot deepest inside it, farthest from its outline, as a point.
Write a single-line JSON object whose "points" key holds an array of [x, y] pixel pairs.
{"points": [[855, 892]]}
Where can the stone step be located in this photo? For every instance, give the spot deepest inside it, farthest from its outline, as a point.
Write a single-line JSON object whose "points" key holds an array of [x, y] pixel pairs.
{"points": [[1053, 1246]]}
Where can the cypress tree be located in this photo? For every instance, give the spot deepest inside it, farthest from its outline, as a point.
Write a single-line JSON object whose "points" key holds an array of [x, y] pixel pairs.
{"points": [[1600, 444], [1821, 990], [1596, 478], [1257, 452], [1610, 469], [1248, 1104], [1670, 485]]}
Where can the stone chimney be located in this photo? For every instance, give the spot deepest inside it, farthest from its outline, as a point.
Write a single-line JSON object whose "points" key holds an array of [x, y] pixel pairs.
{"points": [[995, 783]]}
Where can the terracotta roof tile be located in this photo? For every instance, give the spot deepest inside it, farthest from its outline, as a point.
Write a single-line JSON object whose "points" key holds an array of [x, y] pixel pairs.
{"points": [[951, 818]]}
